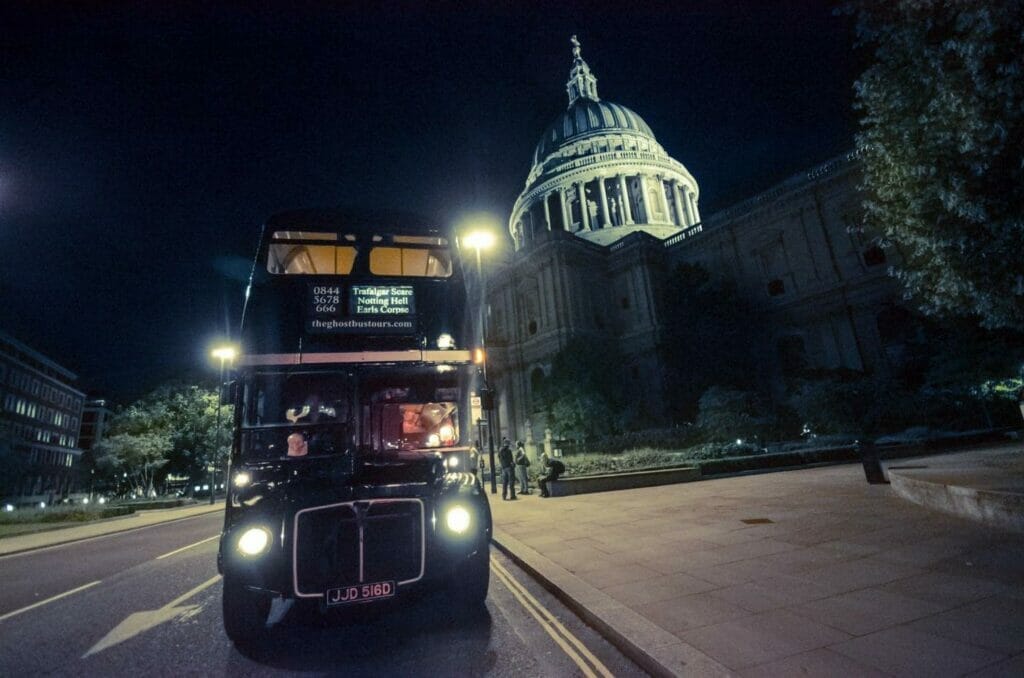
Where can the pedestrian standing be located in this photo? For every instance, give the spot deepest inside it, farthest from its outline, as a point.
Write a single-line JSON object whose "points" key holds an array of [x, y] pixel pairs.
{"points": [[522, 468], [507, 462]]}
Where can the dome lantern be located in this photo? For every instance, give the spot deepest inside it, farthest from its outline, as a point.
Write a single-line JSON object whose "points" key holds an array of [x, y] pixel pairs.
{"points": [[582, 83]]}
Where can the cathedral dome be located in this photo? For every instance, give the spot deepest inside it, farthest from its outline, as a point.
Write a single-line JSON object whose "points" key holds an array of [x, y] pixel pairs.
{"points": [[586, 117], [599, 173]]}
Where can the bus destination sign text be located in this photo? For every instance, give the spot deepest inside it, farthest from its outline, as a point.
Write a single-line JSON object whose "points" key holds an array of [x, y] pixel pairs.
{"points": [[382, 300], [371, 309]]}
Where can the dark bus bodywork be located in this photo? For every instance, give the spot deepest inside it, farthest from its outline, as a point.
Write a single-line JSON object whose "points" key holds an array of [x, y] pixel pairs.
{"points": [[352, 480]]}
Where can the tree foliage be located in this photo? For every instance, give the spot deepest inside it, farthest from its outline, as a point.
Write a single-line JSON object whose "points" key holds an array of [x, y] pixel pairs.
{"points": [[582, 395], [171, 430], [941, 146], [707, 335], [726, 413]]}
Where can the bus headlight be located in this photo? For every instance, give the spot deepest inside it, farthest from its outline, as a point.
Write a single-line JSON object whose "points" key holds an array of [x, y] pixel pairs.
{"points": [[457, 519], [453, 462], [254, 541]]}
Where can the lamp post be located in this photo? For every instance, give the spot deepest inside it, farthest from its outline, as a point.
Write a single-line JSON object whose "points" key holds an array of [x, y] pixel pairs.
{"points": [[225, 353], [481, 239]]}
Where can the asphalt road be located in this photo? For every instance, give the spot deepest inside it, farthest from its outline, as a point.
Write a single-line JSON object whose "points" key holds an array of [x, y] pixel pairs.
{"points": [[148, 602]]}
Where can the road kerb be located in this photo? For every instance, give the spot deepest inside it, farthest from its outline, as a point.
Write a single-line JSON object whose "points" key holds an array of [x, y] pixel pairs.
{"points": [[649, 646]]}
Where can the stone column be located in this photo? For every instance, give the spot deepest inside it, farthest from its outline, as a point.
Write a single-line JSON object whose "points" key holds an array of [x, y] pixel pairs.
{"points": [[606, 221], [549, 445], [645, 199], [529, 444], [684, 193], [627, 211], [547, 211], [675, 203], [581, 194], [566, 226], [664, 200], [693, 203]]}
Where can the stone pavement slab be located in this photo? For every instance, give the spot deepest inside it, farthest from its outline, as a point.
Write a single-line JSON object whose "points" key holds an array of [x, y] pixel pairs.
{"points": [[809, 571]]}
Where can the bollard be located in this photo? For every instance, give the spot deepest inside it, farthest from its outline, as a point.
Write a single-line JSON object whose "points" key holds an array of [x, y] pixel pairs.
{"points": [[872, 466]]}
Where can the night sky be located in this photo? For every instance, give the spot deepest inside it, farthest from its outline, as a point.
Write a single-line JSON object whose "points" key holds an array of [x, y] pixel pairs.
{"points": [[142, 144]]}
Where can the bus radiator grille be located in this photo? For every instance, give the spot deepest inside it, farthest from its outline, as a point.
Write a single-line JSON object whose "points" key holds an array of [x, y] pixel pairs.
{"points": [[327, 551]]}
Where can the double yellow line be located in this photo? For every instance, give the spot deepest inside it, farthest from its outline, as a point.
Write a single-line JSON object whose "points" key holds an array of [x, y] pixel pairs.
{"points": [[590, 665]]}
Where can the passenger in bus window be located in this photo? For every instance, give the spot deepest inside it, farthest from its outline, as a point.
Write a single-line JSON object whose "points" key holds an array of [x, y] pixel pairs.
{"points": [[297, 446]]}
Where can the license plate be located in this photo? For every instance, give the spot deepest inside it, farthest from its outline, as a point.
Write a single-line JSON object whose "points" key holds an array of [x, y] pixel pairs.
{"points": [[360, 593]]}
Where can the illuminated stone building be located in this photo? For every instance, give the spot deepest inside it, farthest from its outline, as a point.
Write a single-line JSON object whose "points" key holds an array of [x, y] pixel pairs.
{"points": [[604, 216], [40, 413]]}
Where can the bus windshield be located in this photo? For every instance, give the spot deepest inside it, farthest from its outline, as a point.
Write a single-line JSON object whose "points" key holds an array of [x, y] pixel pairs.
{"points": [[296, 415], [410, 411]]}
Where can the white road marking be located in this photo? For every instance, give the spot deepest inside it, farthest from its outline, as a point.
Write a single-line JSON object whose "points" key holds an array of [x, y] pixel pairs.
{"points": [[139, 622], [185, 548], [48, 600]]}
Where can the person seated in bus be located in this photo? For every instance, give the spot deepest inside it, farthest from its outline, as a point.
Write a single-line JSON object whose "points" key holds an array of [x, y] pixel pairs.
{"points": [[297, 446]]}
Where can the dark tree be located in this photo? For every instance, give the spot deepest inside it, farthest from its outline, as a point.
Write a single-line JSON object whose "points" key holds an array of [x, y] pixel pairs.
{"points": [[583, 394], [942, 144], [708, 332]]}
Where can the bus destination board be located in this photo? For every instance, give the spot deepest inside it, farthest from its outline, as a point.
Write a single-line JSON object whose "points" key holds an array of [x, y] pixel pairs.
{"points": [[366, 309]]}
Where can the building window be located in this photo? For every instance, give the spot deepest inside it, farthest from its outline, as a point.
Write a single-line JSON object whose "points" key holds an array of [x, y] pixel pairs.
{"points": [[776, 287], [624, 302], [532, 327]]}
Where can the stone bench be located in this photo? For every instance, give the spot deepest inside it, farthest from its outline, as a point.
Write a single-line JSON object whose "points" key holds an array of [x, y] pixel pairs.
{"points": [[570, 485]]}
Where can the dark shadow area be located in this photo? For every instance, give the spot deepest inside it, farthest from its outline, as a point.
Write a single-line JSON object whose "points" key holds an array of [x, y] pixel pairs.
{"points": [[428, 636]]}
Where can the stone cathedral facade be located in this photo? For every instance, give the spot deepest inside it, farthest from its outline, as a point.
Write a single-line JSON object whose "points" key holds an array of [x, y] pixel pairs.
{"points": [[606, 213]]}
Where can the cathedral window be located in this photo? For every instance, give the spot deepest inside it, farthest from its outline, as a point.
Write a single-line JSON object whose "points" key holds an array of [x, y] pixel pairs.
{"points": [[776, 287], [624, 302], [532, 327]]}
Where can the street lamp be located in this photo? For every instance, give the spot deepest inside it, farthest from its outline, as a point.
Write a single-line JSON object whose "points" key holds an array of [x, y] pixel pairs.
{"points": [[225, 353], [482, 238]]}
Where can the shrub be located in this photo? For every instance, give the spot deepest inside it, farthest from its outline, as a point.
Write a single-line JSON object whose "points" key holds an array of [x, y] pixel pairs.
{"points": [[727, 414], [654, 439], [76, 514]]}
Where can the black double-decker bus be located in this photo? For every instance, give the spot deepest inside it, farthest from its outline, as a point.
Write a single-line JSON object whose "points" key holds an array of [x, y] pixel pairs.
{"points": [[352, 479]]}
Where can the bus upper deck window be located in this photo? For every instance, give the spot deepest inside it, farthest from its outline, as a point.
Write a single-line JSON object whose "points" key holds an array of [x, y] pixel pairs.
{"points": [[413, 262], [304, 235], [298, 259]]}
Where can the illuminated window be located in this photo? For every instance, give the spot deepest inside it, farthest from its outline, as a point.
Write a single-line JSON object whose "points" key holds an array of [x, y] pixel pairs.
{"points": [[291, 259], [304, 235], [420, 240], [410, 262]]}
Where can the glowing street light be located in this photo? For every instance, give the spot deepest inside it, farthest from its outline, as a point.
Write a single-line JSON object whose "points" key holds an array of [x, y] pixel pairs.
{"points": [[226, 353], [480, 236]]}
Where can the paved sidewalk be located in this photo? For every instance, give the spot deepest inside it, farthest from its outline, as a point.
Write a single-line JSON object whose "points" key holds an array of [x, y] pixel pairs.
{"points": [[30, 542], [808, 572]]}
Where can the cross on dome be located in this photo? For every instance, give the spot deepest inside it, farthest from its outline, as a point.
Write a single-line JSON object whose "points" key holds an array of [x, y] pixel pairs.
{"points": [[582, 83]]}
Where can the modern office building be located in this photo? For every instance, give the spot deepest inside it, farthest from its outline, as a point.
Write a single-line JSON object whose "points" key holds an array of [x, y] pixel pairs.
{"points": [[40, 416]]}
